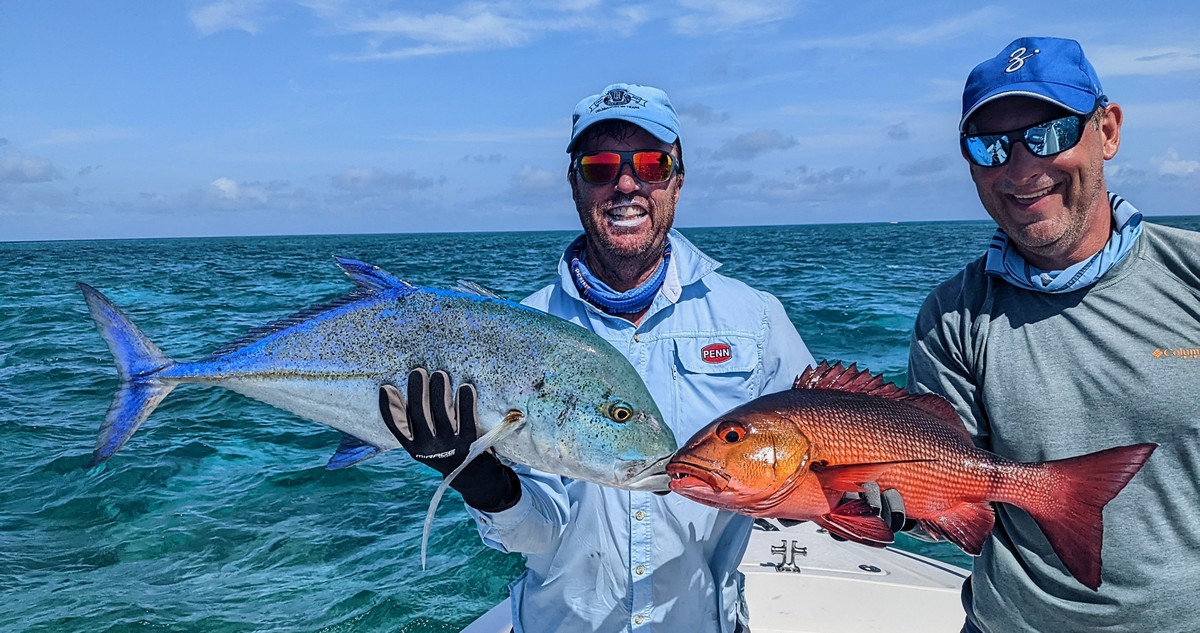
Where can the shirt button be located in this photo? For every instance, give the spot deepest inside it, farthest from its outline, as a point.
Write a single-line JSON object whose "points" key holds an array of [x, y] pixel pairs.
{"points": [[637, 619], [640, 515], [641, 569], [636, 338]]}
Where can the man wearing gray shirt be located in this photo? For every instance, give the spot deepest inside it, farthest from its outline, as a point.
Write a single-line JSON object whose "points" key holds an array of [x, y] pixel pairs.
{"points": [[1077, 331]]}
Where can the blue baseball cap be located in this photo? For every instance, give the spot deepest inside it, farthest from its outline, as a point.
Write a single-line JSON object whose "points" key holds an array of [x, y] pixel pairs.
{"points": [[644, 106], [1048, 68]]}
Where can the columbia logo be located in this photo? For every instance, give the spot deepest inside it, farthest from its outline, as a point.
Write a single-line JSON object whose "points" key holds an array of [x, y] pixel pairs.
{"points": [[1188, 353]]}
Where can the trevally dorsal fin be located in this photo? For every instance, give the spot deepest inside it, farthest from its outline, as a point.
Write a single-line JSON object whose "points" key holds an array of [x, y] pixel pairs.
{"points": [[371, 278], [472, 288], [368, 280], [854, 380]]}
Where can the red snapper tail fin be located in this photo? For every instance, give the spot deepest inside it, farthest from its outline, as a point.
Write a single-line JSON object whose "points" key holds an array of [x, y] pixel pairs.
{"points": [[1077, 490]]}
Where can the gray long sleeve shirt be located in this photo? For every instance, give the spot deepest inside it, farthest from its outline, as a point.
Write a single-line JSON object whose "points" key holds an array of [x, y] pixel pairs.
{"points": [[1046, 376]]}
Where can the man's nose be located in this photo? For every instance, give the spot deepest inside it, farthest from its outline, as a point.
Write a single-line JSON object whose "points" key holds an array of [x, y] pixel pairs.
{"points": [[626, 181], [1023, 161]]}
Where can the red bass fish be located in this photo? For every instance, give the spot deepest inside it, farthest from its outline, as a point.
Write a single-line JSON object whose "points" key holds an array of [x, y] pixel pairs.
{"points": [[794, 454]]}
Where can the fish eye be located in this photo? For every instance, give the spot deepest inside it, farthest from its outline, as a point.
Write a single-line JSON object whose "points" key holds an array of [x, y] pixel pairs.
{"points": [[731, 431], [618, 411]]}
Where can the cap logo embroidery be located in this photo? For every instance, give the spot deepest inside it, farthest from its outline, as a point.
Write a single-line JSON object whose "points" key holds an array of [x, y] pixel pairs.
{"points": [[716, 353], [617, 98], [1017, 59]]}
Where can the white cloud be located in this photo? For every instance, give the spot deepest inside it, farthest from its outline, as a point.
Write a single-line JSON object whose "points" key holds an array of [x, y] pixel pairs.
{"points": [[227, 15], [18, 169], [530, 178], [908, 35], [704, 17], [1113, 61], [230, 190], [925, 166], [470, 27], [1173, 165], [379, 181], [752, 144]]}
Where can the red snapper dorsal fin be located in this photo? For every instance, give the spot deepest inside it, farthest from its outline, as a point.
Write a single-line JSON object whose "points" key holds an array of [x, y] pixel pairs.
{"points": [[854, 380]]}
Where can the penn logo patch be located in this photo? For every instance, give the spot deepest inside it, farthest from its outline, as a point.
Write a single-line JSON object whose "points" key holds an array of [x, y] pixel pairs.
{"points": [[716, 353]]}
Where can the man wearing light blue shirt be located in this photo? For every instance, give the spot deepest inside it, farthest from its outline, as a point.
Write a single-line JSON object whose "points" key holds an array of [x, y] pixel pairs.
{"points": [[602, 559]]}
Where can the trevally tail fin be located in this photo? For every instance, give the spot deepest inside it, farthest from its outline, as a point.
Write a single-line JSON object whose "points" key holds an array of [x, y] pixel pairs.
{"points": [[138, 360]]}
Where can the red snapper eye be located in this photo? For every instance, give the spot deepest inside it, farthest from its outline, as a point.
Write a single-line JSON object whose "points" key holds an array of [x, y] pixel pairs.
{"points": [[731, 431]]}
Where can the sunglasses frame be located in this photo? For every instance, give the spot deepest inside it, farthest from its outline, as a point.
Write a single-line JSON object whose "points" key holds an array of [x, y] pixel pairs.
{"points": [[1020, 135], [627, 159]]}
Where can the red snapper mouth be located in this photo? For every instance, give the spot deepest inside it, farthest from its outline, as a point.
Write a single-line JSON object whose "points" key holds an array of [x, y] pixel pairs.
{"points": [[687, 475]]}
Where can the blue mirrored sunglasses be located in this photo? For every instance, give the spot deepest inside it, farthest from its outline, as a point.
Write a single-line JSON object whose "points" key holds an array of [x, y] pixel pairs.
{"points": [[1041, 139]]}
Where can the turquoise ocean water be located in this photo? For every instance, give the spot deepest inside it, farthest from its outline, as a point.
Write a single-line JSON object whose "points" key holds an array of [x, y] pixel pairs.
{"points": [[219, 514]]}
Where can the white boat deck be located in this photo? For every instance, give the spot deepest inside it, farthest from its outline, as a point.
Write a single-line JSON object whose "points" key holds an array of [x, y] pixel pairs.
{"points": [[799, 580], [839, 587]]}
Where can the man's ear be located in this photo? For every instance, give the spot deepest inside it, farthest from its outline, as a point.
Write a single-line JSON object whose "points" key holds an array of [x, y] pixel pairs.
{"points": [[1110, 128]]}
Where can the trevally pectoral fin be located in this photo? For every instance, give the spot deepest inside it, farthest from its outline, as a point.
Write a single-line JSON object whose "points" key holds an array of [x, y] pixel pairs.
{"points": [[509, 425], [350, 452]]}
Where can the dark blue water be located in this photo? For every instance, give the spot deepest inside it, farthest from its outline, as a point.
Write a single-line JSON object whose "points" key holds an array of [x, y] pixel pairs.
{"points": [[219, 514]]}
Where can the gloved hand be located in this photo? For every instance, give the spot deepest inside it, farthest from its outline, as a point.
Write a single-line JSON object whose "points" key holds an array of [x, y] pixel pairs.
{"points": [[438, 432], [887, 504], [890, 506]]}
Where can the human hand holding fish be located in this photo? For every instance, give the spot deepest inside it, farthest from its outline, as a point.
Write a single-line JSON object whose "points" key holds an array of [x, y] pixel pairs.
{"points": [[794, 454], [888, 505], [438, 431]]}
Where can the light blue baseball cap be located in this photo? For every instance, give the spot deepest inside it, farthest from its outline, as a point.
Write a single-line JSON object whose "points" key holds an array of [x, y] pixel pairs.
{"points": [[1048, 68], [644, 106]]}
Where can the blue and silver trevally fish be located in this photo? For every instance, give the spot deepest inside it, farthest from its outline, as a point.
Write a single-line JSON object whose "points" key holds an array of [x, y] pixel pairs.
{"points": [[552, 395]]}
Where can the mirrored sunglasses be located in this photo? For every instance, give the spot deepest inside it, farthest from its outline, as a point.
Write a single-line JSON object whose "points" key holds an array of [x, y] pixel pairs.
{"points": [[1041, 139], [649, 166]]}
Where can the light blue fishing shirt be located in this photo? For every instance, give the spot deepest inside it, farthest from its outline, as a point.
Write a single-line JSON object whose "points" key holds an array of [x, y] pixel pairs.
{"points": [[604, 560]]}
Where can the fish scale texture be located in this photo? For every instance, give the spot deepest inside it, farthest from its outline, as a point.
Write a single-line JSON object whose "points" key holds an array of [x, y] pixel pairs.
{"points": [[851, 428]]}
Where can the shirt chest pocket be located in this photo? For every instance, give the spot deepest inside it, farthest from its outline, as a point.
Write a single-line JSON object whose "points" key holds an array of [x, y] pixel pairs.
{"points": [[713, 374]]}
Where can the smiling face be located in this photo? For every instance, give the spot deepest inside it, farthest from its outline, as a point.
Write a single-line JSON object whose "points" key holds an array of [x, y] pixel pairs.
{"points": [[1054, 208], [626, 221]]}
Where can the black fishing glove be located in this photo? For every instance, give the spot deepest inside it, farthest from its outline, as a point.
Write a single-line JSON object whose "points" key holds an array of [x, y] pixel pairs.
{"points": [[887, 504], [890, 506], [438, 432]]}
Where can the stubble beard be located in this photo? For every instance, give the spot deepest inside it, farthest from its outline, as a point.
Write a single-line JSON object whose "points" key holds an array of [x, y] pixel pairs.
{"points": [[617, 260], [1052, 238]]}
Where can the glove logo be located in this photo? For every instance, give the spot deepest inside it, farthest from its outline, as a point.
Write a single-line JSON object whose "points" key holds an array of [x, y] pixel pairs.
{"points": [[436, 455]]}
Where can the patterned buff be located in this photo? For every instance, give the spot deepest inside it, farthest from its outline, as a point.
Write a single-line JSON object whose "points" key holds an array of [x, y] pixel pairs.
{"points": [[600, 294], [1005, 262]]}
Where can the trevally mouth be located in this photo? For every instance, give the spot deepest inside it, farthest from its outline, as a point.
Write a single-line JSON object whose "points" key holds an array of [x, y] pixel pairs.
{"points": [[651, 478]]}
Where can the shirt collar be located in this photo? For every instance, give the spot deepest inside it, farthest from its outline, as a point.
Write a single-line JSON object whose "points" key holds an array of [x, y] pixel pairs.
{"points": [[688, 265]]}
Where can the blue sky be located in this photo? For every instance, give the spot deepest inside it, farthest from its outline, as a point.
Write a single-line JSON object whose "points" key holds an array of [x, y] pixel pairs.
{"points": [[259, 117]]}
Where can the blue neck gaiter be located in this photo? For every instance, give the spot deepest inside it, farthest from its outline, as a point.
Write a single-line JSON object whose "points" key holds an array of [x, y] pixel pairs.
{"points": [[1005, 262], [600, 294]]}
